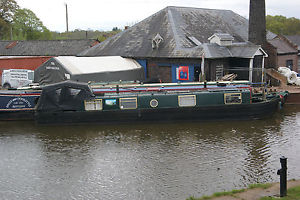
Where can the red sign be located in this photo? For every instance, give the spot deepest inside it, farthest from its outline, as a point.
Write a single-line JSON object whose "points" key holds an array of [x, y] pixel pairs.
{"points": [[183, 73]]}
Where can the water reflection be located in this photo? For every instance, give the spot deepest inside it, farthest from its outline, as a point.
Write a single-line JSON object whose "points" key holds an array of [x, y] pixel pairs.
{"points": [[144, 161]]}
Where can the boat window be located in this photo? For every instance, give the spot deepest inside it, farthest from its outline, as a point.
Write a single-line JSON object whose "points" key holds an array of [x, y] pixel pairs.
{"points": [[74, 92], [95, 104], [233, 98], [187, 100], [153, 103], [110, 102], [128, 103], [30, 76], [58, 91]]}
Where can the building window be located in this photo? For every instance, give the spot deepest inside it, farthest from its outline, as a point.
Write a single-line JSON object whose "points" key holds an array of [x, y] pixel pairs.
{"points": [[233, 98], [95, 104], [128, 103], [219, 72], [290, 64], [187, 100]]}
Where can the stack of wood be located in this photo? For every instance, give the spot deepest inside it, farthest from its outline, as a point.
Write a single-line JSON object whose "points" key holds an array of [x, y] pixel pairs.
{"points": [[228, 77], [278, 76]]}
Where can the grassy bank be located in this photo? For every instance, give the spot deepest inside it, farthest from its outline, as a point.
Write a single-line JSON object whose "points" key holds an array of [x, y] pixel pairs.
{"points": [[233, 192], [292, 194], [218, 194]]}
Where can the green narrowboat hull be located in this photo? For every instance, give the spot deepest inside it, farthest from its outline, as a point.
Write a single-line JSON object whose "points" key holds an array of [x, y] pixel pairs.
{"points": [[76, 103], [206, 113]]}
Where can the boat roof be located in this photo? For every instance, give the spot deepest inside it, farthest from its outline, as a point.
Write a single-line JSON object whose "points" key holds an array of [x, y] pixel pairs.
{"points": [[169, 87]]}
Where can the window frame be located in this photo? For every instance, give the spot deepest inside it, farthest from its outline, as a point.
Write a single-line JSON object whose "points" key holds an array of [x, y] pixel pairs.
{"points": [[226, 94], [94, 102], [186, 96], [153, 100], [124, 100]]}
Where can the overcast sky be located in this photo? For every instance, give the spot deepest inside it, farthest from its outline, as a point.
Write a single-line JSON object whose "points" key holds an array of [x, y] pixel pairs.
{"points": [[106, 14]]}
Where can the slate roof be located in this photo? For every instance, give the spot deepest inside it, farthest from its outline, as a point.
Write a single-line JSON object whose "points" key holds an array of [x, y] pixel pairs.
{"points": [[282, 46], [222, 36], [295, 39], [182, 30], [270, 35], [45, 47], [236, 50]]}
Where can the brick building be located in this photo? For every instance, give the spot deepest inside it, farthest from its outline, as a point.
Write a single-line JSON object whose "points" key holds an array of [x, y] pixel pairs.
{"points": [[31, 54], [296, 40], [287, 53], [176, 44]]}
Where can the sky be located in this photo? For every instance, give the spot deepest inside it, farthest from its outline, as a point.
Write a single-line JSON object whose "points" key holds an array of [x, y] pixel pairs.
{"points": [[104, 15]]}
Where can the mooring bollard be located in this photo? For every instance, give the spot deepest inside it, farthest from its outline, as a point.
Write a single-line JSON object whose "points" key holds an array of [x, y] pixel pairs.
{"points": [[117, 89], [282, 172]]}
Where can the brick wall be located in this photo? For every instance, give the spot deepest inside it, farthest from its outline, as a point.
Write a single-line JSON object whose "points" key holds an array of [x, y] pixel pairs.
{"points": [[271, 60], [283, 58], [257, 22], [163, 73], [22, 63]]}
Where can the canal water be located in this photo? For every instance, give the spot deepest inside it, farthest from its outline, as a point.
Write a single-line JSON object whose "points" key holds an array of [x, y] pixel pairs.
{"points": [[145, 161]]}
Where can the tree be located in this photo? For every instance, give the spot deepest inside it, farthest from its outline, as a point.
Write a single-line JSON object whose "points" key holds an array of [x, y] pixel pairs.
{"points": [[4, 29], [26, 25], [281, 25], [115, 29], [7, 11]]}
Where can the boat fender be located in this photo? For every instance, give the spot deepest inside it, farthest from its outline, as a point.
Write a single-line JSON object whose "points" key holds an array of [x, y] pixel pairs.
{"points": [[221, 84], [282, 101], [283, 96], [280, 105]]}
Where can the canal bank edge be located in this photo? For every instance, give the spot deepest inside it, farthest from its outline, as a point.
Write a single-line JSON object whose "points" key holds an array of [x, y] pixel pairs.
{"points": [[255, 193]]}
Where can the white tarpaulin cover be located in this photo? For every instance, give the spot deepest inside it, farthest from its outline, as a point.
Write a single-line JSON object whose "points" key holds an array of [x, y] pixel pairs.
{"points": [[87, 65], [85, 69]]}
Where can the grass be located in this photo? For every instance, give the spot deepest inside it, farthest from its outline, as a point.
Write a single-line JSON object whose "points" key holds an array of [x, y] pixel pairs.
{"points": [[260, 185], [233, 192], [218, 194], [292, 194]]}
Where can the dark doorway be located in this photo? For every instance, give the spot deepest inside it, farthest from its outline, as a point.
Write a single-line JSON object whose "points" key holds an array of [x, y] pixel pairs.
{"points": [[197, 71]]}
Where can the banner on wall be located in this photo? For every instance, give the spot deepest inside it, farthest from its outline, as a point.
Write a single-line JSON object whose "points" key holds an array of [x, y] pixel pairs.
{"points": [[182, 73]]}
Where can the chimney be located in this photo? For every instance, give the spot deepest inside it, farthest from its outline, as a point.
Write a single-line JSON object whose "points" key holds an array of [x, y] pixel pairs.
{"points": [[257, 22]]}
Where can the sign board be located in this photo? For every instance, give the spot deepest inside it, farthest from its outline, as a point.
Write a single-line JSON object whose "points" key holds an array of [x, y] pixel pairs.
{"points": [[182, 73]]}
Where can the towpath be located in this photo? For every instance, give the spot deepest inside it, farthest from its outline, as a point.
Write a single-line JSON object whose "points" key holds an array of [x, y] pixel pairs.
{"points": [[257, 193]]}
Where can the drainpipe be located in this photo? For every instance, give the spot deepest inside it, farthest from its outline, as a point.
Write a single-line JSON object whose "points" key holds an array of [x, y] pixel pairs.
{"points": [[263, 75], [202, 78], [251, 70], [263, 70]]}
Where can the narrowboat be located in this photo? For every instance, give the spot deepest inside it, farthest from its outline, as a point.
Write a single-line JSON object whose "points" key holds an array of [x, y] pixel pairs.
{"points": [[18, 104], [73, 102]]}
